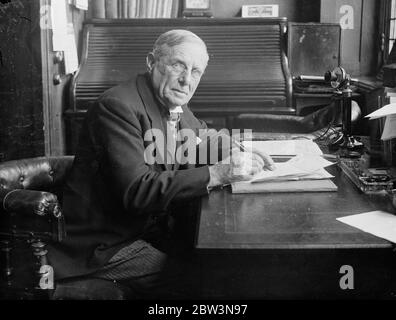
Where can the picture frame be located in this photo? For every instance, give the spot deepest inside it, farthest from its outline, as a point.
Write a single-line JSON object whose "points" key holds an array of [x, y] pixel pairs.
{"points": [[260, 11], [197, 8]]}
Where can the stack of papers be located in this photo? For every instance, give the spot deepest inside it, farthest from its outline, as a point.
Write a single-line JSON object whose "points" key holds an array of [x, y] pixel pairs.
{"points": [[388, 111], [300, 167], [304, 171]]}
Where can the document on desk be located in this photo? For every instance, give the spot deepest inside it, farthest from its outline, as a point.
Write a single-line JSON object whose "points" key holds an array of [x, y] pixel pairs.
{"points": [[301, 173], [306, 166], [378, 223]]}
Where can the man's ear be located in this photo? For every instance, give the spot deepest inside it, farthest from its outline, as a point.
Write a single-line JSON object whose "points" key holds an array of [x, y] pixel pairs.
{"points": [[150, 61]]}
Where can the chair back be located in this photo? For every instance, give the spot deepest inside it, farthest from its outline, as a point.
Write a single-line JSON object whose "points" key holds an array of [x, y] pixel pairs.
{"points": [[43, 173]]}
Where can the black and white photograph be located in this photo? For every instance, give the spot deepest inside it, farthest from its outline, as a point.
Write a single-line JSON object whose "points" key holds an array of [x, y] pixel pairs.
{"points": [[197, 157]]}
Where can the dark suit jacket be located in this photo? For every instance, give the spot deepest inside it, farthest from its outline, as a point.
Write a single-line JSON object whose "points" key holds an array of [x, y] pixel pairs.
{"points": [[112, 196]]}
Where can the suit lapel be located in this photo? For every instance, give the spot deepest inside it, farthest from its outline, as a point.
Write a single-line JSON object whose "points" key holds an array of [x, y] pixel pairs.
{"points": [[154, 114]]}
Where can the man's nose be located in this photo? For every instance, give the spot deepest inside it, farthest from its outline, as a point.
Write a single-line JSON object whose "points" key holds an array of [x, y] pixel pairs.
{"points": [[185, 77]]}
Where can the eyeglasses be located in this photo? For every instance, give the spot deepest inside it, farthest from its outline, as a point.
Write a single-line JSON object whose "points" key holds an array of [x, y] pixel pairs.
{"points": [[179, 69]]}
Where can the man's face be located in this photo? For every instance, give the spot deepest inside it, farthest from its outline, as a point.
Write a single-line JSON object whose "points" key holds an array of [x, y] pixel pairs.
{"points": [[176, 75]]}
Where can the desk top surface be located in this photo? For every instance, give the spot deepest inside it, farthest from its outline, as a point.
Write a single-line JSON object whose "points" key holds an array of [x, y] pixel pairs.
{"points": [[288, 220]]}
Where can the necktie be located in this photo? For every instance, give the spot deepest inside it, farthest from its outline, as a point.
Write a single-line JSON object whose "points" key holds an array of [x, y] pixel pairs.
{"points": [[171, 138]]}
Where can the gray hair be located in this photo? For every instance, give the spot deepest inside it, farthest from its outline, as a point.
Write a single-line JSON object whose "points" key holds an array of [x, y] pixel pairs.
{"points": [[173, 38]]}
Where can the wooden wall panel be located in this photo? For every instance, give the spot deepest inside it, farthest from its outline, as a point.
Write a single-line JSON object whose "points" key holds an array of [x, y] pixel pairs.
{"points": [[21, 113]]}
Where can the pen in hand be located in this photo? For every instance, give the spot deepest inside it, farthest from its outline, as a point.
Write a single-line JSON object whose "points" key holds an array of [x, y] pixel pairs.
{"points": [[268, 162], [239, 145]]}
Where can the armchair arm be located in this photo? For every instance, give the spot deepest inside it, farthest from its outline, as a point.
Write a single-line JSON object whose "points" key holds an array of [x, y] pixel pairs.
{"points": [[32, 213], [28, 202]]}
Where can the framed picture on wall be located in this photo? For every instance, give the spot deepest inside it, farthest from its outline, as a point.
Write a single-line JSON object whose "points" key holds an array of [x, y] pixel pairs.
{"points": [[197, 8], [260, 11]]}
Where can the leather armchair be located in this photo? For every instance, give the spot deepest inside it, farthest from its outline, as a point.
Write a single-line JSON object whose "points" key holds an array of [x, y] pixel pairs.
{"points": [[30, 216]]}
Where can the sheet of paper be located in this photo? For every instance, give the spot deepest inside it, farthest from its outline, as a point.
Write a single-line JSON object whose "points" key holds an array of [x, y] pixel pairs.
{"points": [[309, 162], [383, 112], [379, 223], [296, 168], [284, 147], [59, 25], [71, 58], [389, 131]]}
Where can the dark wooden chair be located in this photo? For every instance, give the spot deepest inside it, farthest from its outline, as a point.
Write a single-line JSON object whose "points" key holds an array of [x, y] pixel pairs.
{"points": [[30, 217]]}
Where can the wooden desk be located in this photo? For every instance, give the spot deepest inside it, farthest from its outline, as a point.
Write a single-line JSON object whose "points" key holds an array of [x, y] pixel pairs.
{"points": [[289, 245]]}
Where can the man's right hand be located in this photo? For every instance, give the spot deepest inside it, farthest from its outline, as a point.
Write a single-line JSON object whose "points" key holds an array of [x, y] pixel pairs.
{"points": [[240, 166]]}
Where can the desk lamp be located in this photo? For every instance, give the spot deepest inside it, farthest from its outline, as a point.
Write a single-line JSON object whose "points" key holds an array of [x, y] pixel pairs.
{"points": [[340, 81]]}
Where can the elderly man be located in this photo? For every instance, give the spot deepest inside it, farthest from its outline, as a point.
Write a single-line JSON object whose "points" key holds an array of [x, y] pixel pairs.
{"points": [[117, 205]]}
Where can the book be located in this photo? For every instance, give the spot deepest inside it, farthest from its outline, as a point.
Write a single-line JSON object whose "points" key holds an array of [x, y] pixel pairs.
{"points": [[124, 10], [119, 8], [323, 185], [175, 9], [143, 9], [97, 9], [132, 8], [159, 8], [111, 9], [149, 8], [154, 9], [137, 14], [163, 8], [168, 9]]}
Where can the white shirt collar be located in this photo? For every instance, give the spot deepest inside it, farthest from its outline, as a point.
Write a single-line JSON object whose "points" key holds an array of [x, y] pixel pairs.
{"points": [[177, 109]]}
